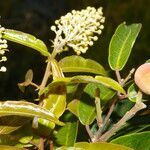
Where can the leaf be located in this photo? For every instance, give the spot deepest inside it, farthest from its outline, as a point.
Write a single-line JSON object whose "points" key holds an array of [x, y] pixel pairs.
{"points": [[148, 61], [56, 70], [67, 134], [121, 44], [105, 93], [26, 109], [137, 141], [9, 124], [86, 112], [73, 107], [132, 93], [55, 104], [58, 85], [110, 83], [5, 147], [26, 40], [95, 146], [80, 64]]}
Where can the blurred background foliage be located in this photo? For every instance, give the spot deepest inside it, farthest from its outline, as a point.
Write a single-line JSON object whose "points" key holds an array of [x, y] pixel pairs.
{"points": [[36, 17]]}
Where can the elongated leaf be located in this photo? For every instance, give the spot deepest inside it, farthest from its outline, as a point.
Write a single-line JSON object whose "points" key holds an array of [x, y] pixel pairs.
{"points": [[58, 85], [121, 45], [5, 147], [26, 109], [26, 40], [137, 141], [110, 83], [95, 146], [80, 64], [86, 112], [9, 124], [67, 134]]}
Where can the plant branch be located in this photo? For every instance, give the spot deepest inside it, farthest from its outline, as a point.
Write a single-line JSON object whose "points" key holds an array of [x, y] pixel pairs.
{"points": [[118, 76], [89, 131], [46, 75], [98, 108], [137, 107]]}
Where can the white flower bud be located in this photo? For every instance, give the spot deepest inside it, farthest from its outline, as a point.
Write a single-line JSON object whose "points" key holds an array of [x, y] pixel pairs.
{"points": [[3, 69]]}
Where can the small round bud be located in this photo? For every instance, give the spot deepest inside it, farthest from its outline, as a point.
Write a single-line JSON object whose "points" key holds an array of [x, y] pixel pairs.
{"points": [[53, 28], [3, 69], [142, 78]]}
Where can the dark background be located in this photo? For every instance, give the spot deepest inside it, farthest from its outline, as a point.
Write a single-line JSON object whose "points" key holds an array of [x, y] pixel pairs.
{"points": [[36, 17]]}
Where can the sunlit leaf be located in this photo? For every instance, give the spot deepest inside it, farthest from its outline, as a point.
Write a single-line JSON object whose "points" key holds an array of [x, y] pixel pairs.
{"points": [[67, 134], [58, 85], [80, 64], [26, 39], [9, 124], [110, 83], [121, 45], [5, 147], [95, 146], [26, 109], [73, 107], [137, 141], [56, 70]]}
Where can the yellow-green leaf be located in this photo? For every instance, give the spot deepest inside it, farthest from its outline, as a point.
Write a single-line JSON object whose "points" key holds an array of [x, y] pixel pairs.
{"points": [[80, 64], [121, 45], [26, 40], [95, 146], [26, 109], [5, 147]]}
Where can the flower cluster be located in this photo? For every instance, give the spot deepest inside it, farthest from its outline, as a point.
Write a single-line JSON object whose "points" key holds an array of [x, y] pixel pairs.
{"points": [[78, 29], [3, 48]]}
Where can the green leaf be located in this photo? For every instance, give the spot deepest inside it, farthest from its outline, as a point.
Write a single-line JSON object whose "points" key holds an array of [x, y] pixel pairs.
{"points": [[9, 124], [95, 146], [80, 64], [55, 104], [26, 109], [110, 83], [67, 134], [121, 45], [86, 112], [132, 93], [148, 61], [5, 147], [137, 141], [105, 93], [58, 85], [73, 107], [26, 40]]}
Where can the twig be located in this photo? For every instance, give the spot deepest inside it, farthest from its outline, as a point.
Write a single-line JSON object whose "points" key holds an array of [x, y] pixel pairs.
{"points": [[128, 77], [46, 75], [41, 146], [118, 76], [89, 131], [98, 108], [35, 85], [137, 107], [50, 145]]}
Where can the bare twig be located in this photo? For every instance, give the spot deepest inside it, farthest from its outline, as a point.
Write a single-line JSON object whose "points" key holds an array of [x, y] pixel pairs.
{"points": [[137, 107], [89, 131], [118, 76], [41, 146]]}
